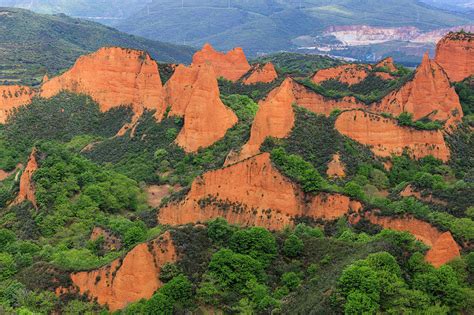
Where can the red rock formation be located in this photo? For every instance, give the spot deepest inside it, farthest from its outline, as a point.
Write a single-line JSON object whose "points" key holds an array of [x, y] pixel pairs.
{"points": [[275, 118], [386, 137], [349, 74], [252, 192], [262, 74], [428, 94], [455, 53], [388, 64], [336, 168], [27, 186], [113, 77], [13, 96], [443, 247], [193, 92], [130, 279], [232, 65], [321, 105]]}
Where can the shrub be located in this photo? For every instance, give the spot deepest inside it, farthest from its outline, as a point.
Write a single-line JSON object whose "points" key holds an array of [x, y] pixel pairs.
{"points": [[256, 242], [293, 246]]}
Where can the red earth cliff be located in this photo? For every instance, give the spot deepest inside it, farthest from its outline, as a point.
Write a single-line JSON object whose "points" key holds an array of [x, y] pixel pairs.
{"points": [[428, 94], [27, 186], [386, 137], [129, 279], [252, 192], [443, 247], [455, 53], [113, 77], [13, 96], [193, 92], [275, 118], [349, 74], [262, 74], [231, 66]]}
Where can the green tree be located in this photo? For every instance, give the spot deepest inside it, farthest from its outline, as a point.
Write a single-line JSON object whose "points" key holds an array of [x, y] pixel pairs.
{"points": [[293, 246], [360, 303], [7, 266], [219, 230], [256, 242], [159, 304]]}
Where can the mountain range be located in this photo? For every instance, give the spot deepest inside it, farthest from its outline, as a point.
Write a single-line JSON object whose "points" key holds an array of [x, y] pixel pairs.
{"points": [[33, 45], [264, 26]]}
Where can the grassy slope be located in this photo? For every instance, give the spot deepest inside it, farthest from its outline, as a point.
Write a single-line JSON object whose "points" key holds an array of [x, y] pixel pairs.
{"points": [[35, 44]]}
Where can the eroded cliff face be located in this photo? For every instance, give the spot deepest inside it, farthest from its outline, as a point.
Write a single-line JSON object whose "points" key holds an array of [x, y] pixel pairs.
{"points": [[349, 74], [128, 279], [261, 74], [385, 137], [252, 193], [27, 186], [193, 93], [231, 65], [13, 96], [443, 246], [428, 94], [455, 53], [321, 105], [113, 77]]}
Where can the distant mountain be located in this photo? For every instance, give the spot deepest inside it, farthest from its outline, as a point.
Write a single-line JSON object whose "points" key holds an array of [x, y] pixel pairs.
{"points": [[94, 9], [34, 44], [454, 5], [261, 26]]}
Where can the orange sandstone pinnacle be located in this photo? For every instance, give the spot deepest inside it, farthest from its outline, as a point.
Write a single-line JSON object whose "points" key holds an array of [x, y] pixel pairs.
{"points": [[428, 94], [231, 66], [27, 186], [193, 92]]}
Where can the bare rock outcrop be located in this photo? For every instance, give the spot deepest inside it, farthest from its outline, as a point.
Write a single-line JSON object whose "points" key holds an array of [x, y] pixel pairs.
{"points": [[193, 92], [443, 246], [428, 94], [111, 241], [253, 192], [231, 65], [348, 73], [385, 137], [27, 186], [261, 74], [13, 96], [128, 279], [455, 53], [113, 77]]}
